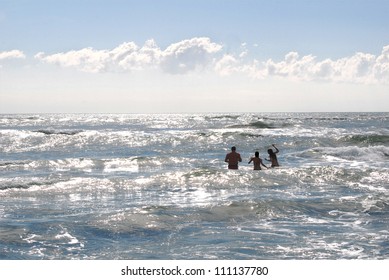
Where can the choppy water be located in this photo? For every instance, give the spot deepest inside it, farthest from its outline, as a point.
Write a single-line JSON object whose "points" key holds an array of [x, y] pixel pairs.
{"points": [[156, 187]]}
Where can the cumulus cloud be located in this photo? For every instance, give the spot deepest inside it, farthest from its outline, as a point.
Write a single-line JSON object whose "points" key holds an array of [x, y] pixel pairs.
{"points": [[188, 55], [86, 59], [201, 53], [129, 56], [359, 68], [11, 54], [178, 58], [227, 65]]}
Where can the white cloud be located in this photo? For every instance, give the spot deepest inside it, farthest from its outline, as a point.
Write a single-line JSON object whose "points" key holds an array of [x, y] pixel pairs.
{"points": [[189, 55], [359, 68], [227, 65], [178, 58], [292, 66], [201, 53], [381, 67], [87, 59], [129, 56], [244, 51], [12, 54]]}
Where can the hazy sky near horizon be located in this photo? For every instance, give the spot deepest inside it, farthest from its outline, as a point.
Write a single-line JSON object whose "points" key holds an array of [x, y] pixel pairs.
{"points": [[193, 56]]}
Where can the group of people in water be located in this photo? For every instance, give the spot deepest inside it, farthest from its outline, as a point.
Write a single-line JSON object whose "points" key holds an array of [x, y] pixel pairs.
{"points": [[233, 158]]}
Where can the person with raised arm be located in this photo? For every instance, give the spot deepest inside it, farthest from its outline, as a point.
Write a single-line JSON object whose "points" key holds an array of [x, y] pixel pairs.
{"points": [[273, 157]]}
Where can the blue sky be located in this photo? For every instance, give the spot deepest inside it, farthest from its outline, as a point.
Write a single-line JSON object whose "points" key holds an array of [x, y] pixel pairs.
{"points": [[193, 56]]}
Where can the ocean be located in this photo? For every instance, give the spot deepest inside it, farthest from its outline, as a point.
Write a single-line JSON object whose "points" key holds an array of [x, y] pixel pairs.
{"points": [[155, 186]]}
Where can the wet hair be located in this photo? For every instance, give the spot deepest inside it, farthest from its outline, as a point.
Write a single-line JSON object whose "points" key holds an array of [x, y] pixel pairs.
{"points": [[233, 148], [257, 154]]}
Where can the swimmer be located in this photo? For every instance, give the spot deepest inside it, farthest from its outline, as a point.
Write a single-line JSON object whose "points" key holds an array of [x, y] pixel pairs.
{"points": [[257, 162]]}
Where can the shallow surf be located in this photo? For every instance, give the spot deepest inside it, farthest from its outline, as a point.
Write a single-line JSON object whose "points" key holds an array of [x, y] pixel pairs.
{"points": [[123, 186]]}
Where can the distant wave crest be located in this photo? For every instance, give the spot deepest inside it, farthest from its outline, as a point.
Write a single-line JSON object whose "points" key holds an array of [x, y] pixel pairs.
{"points": [[61, 132]]}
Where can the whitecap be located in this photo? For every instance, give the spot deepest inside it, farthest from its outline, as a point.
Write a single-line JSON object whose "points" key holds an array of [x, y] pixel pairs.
{"points": [[67, 237]]}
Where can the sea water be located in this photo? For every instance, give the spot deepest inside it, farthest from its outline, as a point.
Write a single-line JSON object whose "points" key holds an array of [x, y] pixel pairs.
{"points": [[126, 186]]}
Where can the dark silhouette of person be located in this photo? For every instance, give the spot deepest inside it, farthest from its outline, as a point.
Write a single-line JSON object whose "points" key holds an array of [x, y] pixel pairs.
{"points": [[257, 161], [273, 156], [233, 158]]}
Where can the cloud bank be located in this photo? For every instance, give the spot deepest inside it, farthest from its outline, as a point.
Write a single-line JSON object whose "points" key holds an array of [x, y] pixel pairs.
{"points": [[201, 54]]}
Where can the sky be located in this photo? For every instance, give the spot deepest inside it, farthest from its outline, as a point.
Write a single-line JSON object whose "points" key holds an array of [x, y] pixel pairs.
{"points": [[184, 56]]}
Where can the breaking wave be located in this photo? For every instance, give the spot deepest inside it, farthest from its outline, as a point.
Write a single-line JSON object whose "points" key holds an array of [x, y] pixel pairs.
{"points": [[51, 132]]}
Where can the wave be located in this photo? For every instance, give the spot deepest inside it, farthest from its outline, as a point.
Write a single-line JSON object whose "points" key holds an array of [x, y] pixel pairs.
{"points": [[353, 154], [367, 139], [24, 184], [357, 153], [218, 117], [86, 166], [328, 118], [19, 117], [12, 163], [242, 134], [55, 132], [256, 124]]}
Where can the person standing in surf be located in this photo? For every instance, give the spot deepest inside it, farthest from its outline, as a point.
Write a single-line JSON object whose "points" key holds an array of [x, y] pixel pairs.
{"points": [[273, 157], [233, 159], [257, 162]]}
